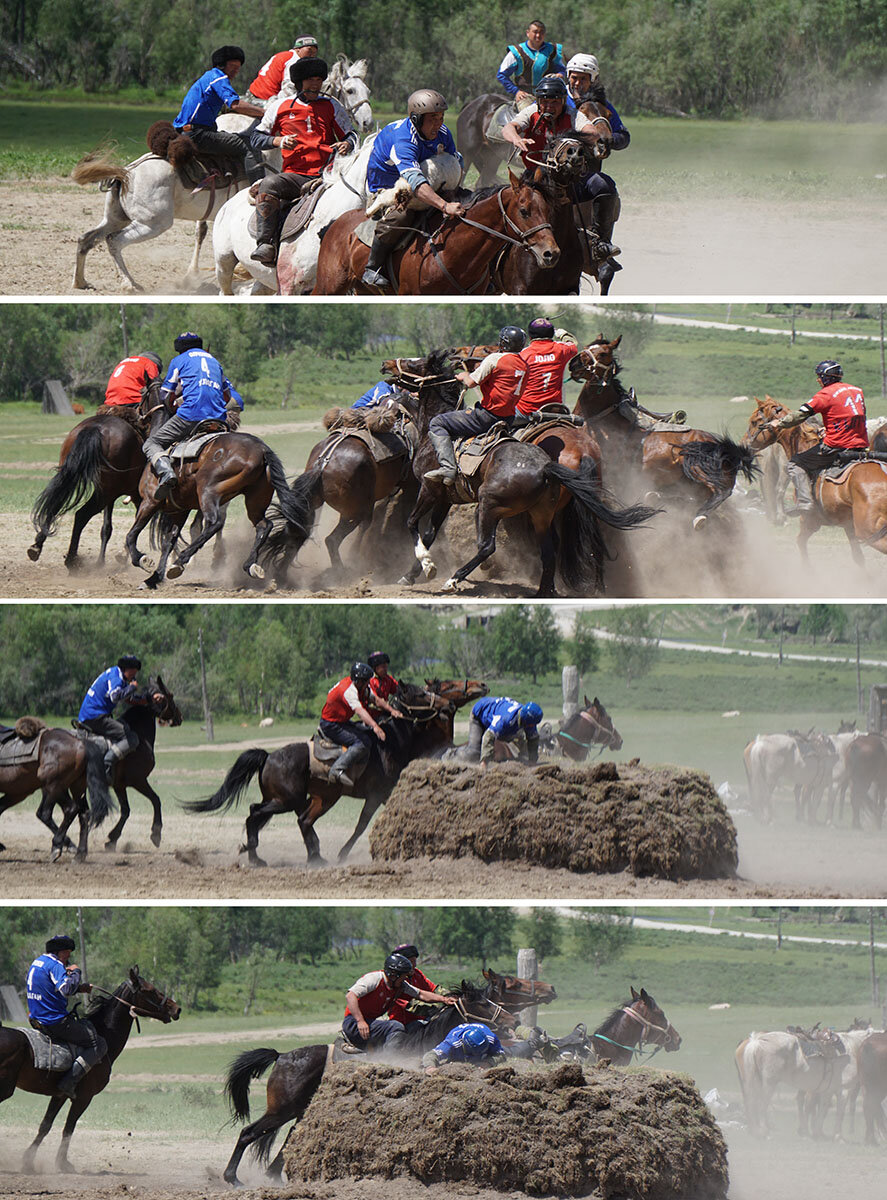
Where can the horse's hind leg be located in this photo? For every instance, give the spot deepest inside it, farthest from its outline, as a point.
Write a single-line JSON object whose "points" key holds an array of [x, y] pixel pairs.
{"points": [[157, 822], [136, 231], [200, 228], [335, 539], [715, 500], [115, 220], [487, 523], [93, 506], [259, 816], [114, 834], [265, 1126]]}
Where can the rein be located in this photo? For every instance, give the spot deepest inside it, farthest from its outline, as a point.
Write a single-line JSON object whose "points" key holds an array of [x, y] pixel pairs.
{"points": [[637, 1050], [462, 1009], [134, 1010]]}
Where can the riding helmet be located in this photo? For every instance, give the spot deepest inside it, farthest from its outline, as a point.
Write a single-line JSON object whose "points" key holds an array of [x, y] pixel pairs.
{"points": [[308, 68], [552, 87], [226, 54], [423, 102], [540, 328], [396, 964], [301, 42], [474, 1038], [188, 341], [407, 951], [152, 357], [530, 714], [829, 369], [61, 941], [584, 64], [513, 338], [377, 658], [361, 672], [129, 660]]}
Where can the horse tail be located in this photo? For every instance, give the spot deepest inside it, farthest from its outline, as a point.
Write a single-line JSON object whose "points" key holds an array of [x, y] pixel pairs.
{"points": [[160, 526], [241, 1071], [73, 479], [235, 784], [297, 505], [101, 802], [710, 459], [98, 167]]}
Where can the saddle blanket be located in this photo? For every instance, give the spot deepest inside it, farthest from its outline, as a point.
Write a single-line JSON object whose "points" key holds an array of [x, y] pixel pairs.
{"points": [[49, 1055], [839, 473], [296, 216], [499, 119], [183, 451], [15, 752]]}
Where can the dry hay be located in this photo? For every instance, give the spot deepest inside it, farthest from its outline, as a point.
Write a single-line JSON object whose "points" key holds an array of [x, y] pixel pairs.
{"points": [[568, 1132], [667, 822]]}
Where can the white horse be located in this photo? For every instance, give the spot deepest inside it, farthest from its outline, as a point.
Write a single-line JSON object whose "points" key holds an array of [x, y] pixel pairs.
{"points": [[233, 243], [766, 1062]]}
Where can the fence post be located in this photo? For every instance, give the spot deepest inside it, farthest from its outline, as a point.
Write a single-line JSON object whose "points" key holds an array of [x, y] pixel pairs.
{"points": [[527, 968], [570, 685]]}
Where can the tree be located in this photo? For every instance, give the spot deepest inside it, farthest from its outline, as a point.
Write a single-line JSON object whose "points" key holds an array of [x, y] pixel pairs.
{"points": [[634, 649], [543, 930], [525, 639], [584, 649], [602, 936], [471, 933]]}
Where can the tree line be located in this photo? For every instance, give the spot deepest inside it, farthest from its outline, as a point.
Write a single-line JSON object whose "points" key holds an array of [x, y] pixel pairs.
{"points": [[720, 58]]}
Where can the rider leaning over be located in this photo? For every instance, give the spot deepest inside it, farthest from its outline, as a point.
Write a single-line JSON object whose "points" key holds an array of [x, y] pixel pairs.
{"points": [[400, 1008], [501, 718], [382, 683], [271, 79], [131, 379], [114, 685], [842, 408], [373, 995], [527, 62], [203, 102], [547, 356], [500, 377], [309, 128], [351, 696], [397, 153]]}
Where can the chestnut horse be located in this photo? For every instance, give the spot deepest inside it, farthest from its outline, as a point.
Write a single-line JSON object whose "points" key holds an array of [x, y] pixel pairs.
{"points": [[638, 1021], [591, 726], [857, 501], [704, 464], [456, 259]]}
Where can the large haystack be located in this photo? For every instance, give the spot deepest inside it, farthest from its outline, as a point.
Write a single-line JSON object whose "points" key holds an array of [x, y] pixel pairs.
{"points": [[644, 1135], [667, 822]]}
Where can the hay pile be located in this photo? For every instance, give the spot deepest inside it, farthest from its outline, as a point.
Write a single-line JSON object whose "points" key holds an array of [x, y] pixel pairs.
{"points": [[667, 822], [644, 1135]]}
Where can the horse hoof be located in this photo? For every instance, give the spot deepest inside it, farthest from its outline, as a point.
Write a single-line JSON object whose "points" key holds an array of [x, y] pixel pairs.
{"points": [[699, 521], [147, 563], [405, 581], [651, 497], [33, 553], [314, 864], [56, 854], [174, 570], [256, 571], [451, 585], [112, 846], [155, 837], [429, 570], [255, 861], [80, 856]]}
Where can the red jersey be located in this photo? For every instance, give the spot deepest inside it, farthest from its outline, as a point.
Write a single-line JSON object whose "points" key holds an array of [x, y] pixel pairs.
{"points": [[501, 381], [376, 995], [128, 378], [381, 685], [540, 131], [546, 362], [270, 79], [842, 408], [398, 1009], [314, 125], [342, 700]]}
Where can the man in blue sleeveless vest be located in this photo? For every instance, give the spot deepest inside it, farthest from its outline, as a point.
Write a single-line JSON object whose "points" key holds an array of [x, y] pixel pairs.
{"points": [[206, 393], [114, 685], [525, 63], [500, 717], [205, 99], [51, 980]]}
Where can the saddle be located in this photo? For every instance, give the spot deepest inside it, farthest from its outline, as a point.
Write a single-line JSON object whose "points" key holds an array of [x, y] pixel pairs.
{"points": [[322, 753], [294, 217], [344, 1051], [841, 470], [816, 1043], [184, 451], [20, 743], [195, 173], [128, 413], [384, 444], [499, 118], [554, 416], [470, 454], [50, 1055]]}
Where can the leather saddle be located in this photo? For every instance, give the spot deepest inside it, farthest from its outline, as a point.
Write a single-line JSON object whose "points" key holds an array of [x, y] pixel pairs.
{"points": [[294, 217], [50, 1055], [471, 451], [839, 472], [323, 749]]}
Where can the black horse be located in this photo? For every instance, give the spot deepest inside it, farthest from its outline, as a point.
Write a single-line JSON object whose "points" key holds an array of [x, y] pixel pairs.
{"points": [[297, 1074]]}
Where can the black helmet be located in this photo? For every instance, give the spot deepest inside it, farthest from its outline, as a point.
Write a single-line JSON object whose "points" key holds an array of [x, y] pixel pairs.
{"points": [[308, 68], [552, 87], [408, 951], [362, 672], [513, 338], [61, 941], [129, 660], [377, 658], [188, 341], [396, 964], [226, 54], [829, 369], [541, 327], [152, 357]]}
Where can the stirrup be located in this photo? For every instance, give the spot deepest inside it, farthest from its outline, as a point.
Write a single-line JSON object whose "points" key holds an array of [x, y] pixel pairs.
{"points": [[443, 474], [375, 278], [268, 258]]}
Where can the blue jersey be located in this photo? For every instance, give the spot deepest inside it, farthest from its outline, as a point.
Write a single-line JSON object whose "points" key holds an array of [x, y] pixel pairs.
{"points": [[501, 716], [454, 1049], [49, 985], [101, 697], [547, 60], [374, 394], [398, 150], [205, 99], [203, 385]]}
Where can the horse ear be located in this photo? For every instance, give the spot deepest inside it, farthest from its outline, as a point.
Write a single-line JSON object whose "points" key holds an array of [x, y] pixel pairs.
{"points": [[160, 684], [634, 995], [134, 975], [646, 997], [514, 179], [613, 345], [597, 702], [538, 175], [585, 700], [488, 975]]}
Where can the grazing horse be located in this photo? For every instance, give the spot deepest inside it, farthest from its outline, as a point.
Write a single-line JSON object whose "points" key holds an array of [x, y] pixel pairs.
{"points": [[289, 784], [64, 769], [856, 501], [872, 1060], [629, 1027], [591, 726], [457, 256], [702, 465], [767, 1061], [112, 1017], [297, 1074]]}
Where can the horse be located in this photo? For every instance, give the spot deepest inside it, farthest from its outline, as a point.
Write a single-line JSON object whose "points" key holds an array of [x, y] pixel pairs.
{"points": [[768, 1061], [622, 1036], [471, 137], [791, 758], [668, 458], [866, 760], [591, 726], [456, 256], [514, 478], [872, 1065], [856, 501], [113, 1018], [65, 769], [297, 1074], [228, 465], [289, 783]]}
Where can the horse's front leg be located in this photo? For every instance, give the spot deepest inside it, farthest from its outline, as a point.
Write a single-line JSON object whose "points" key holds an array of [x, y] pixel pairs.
{"points": [[82, 517], [438, 507], [78, 1107], [146, 510], [809, 524], [488, 517], [52, 1111], [213, 523], [175, 521], [366, 815], [157, 822]]}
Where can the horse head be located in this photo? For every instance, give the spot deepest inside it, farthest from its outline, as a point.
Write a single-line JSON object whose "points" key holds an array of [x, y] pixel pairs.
{"points": [[606, 734], [477, 1004], [758, 436], [458, 691], [146, 1000], [847, 727], [347, 83], [601, 132], [596, 362], [656, 1026], [167, 712], [515, 994], [527, 206]]}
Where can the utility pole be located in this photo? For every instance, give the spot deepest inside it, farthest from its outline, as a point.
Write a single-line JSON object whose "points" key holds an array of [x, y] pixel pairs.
{"points": [[858, 674], [125, 331], [883, 360], [207, 711], [779, 929], [82, 944], [872, 956], [781, 632]]}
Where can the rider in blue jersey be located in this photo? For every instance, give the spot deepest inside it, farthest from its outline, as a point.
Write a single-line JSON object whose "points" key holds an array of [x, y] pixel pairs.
{"points": [[114, 685], [469, 1043], [525, 63], [397, 153], [374, 394], [499, 717], [205, 396], [205, 99], [51, 980]]}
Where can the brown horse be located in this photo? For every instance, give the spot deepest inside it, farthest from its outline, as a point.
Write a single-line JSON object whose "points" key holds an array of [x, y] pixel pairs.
{"points": [[857, 502], [65, 769], [626, 1030], [457, 257], [872, 1062], [866, 759], [703, 465], [112, 1017], [591, 726]]}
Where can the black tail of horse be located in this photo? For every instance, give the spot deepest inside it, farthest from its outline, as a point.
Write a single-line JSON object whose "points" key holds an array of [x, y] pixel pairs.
{"points": [[712, 460], [287, 538], [236, 782], [72, 482], [293, 503], [241, 1071], [584, 543], [101, 802]]}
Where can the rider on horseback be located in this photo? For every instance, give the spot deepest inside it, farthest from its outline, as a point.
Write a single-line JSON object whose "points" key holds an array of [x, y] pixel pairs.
{"points": [[374, 994], [131, 379], [271, 79], [527, 62], [203, 102], [401, 1009], [842, 408], [382, 684], [309, 128], [206, 394], [397, 153], [499, 718], [351, 695], [500, 377], [374, 395], [102, 696], [545, 359], [51, 980]]}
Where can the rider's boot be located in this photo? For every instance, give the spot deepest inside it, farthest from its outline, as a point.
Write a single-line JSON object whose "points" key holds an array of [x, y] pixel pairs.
{"points": [[67, 1085], [374, 272], [803, 489], [166, 475], [347, 759], [267, 217], [446, 456], [606, 213]]}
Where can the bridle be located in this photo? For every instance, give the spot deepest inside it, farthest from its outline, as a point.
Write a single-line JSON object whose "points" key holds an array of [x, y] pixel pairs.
{"points": [[135, 1010], [600, 372], [608, 741], [646, 1026], [499, 1013]]}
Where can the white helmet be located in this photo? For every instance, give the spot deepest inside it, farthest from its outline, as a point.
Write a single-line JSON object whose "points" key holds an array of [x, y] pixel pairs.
{"points": [[586, 63]]}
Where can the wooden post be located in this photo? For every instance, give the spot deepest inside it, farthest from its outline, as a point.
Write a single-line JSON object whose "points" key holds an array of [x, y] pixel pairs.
{"points": [[207, 711], [570, 686], [528, 968], [858, 674], [874, 973], [125, 332], [82, 944]]}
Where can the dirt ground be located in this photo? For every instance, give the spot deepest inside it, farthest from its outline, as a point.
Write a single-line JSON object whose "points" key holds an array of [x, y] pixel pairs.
{"points": [[670, 247]]}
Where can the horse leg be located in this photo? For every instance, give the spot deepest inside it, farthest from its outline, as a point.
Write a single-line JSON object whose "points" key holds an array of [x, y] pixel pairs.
{"points": [[78, 1107], [144, 513], [335, 539], [256, 507], [855, 548], [266, 1125], [213, 523], [52, 1111], [316, 808], [114, 834], [488, 518], [157, 821], [200, 228], [44, 815], [366, 815], [82, 517], [438, 509], [137, 231], [115, 219], [166, 549], [107, 529], [259, 816], [715, 500]]}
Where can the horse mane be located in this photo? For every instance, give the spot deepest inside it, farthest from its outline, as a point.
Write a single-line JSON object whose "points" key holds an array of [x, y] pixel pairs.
{"points": [[100, 1005]]}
